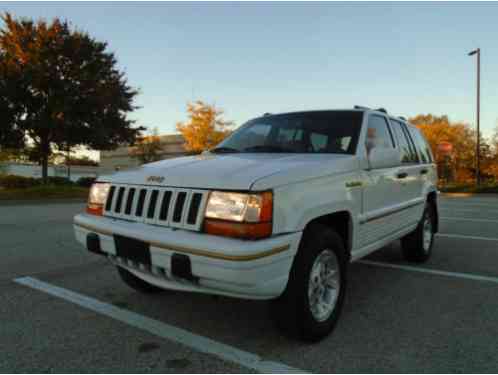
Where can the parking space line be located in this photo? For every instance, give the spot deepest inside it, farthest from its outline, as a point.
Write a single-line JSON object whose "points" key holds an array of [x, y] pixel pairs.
{"points": [[178, 335], [468, 276], [468, 206], [488, 210], [459, 202], [468, 219], [448, 235]]}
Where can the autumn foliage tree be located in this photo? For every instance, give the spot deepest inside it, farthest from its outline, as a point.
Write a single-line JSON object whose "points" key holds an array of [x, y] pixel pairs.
{"points": [[439, 129], [60, 88], [493, 167], [205, 127], [148, 148]]}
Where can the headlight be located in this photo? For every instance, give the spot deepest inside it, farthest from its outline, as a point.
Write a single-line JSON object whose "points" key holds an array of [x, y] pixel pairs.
{"points": [[97, 198], [246, 215]]}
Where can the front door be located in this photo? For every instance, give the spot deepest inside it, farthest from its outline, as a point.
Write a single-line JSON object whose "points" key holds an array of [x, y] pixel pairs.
{"points": [[382, 191]]}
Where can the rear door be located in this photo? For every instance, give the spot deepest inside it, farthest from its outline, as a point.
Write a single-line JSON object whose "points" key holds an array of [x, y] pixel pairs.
{"points": [[428, 174], [410, 172]]}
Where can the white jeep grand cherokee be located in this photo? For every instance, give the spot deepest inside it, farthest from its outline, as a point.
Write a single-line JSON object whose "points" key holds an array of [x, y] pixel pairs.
{"points": [[277, 211]]}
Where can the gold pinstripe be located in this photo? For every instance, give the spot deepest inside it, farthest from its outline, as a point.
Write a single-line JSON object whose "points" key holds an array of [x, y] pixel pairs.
{"points": [[199, 252]]}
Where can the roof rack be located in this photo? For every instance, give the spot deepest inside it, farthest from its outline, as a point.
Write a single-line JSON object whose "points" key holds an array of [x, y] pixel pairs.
{"points": [[383, 110], [360, 107], [402, 118], [266, 114]]}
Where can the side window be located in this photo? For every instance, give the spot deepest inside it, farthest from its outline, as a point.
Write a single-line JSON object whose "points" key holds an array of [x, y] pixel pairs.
{"points": [[378, 134], [408, 154], [423, 146], [411, 142]]}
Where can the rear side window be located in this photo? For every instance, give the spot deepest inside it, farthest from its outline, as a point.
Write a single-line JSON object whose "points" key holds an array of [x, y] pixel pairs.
{"points": [[408, 153], [378, 134], [422, 145]]}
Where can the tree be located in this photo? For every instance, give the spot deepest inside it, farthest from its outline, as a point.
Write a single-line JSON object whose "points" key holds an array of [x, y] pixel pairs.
{"points": [[492, 168], [148, 149], [10, 154], [205, 127], [83, 161], [439, 129], [61, 88]]}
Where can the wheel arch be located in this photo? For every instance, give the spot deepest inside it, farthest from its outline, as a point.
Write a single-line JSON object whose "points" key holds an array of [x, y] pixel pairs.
{"points": [[341, 222]]}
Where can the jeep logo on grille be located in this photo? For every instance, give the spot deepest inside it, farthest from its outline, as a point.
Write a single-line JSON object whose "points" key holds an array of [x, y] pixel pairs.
{"points": [[157, 179]]}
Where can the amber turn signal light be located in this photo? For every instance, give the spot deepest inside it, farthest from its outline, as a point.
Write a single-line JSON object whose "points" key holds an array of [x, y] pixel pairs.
{"points": [[250, 231]]}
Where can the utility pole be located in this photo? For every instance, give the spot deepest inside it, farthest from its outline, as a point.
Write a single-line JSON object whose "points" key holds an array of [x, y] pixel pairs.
{"points": [[478, 147]]}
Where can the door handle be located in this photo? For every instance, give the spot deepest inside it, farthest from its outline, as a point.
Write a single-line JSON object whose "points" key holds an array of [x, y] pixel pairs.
{"points": [[402, 175], [424, 171]]}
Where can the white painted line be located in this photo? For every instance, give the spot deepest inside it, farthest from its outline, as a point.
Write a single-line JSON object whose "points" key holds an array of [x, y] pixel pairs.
{"points": [[490, 210], [491, 205], [468, 276], [181, 336], [466, 237], [468, 219]]}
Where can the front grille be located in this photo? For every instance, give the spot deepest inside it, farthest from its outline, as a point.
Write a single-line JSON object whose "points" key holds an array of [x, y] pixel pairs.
{"points": [[169, 207]]}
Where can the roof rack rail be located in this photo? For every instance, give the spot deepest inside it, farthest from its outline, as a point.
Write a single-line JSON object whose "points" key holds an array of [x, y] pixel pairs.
{"points": [[402, 118], [266, 114], [360, 107], [383, 110]]}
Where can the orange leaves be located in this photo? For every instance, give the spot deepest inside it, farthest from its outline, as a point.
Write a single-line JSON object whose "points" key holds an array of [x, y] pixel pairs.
{"points": [[205, 127], [461, 161]]}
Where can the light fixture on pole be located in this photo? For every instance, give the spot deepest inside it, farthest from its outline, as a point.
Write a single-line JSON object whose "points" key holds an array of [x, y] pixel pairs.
{"points": [[478, 146]]}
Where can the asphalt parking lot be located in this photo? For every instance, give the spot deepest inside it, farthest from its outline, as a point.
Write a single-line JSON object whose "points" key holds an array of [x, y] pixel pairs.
{"points": [[65, 310]]}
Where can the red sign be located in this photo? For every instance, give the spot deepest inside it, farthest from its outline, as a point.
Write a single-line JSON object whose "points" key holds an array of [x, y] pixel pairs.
{"points": [[445, 148]]}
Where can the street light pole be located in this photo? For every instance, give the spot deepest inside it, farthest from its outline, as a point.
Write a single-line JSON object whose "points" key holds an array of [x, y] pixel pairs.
{"points": [[478, 147]]}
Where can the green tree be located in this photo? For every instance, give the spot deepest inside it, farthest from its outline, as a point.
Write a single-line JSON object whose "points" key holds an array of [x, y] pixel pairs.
{"points": [[61, 88], [205, 127]]}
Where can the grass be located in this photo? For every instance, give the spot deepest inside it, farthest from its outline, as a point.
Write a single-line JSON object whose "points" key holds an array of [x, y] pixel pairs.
{"points": [[487, 188], [45, 192]]}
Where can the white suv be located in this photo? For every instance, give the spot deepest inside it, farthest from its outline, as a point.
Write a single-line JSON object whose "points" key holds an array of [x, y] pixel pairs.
{"points": [[276, 211]]}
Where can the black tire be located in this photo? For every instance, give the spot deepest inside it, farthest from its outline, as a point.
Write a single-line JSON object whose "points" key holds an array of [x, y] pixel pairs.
{"points": [[413, 246], [292, 310], [136, 283]]}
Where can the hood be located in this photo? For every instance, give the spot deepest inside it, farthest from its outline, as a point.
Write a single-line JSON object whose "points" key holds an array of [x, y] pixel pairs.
{"points": [[235, 171]]}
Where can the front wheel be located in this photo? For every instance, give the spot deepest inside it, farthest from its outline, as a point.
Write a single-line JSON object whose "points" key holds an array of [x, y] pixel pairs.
{"points": [[311, 304], [417, 246]]}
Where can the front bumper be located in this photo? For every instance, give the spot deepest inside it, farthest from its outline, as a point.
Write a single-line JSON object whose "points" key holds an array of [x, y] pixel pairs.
{"points": [[220, 265]]}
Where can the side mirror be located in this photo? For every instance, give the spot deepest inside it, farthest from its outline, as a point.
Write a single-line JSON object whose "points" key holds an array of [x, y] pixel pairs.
{"points": [[383, 158]]}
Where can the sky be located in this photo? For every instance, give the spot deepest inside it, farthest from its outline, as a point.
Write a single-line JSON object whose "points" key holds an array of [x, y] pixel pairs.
{"points": [[252, 58]]}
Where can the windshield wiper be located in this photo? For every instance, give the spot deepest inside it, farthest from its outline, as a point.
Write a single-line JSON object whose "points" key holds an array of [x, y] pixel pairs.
{"points": [[224, 150], [268, 148]]}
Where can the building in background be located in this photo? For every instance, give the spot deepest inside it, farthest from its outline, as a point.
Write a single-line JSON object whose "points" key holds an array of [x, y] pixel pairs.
{"points": [[172, 146]]}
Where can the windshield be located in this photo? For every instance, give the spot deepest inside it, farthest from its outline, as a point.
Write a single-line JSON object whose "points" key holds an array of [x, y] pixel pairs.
{"points": [[330, 132]]}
